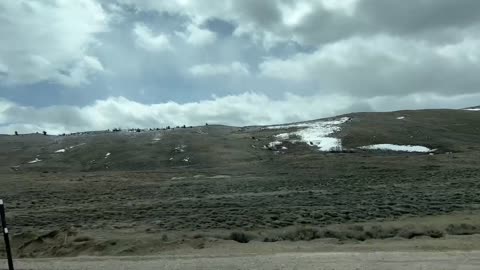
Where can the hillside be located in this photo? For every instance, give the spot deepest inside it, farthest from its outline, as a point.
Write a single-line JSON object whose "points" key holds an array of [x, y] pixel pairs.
{"points": [[214, 147], [201, 184]]}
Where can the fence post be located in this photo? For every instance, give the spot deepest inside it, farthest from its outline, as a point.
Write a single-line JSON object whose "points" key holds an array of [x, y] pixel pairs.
{"points": [[5, 235]]}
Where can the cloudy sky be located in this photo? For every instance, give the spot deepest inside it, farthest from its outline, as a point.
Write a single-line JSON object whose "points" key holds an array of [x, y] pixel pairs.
{"points": [[97, 64]]}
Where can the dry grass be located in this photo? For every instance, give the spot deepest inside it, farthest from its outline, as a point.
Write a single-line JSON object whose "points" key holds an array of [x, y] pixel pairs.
{"points": [[358, 232]]}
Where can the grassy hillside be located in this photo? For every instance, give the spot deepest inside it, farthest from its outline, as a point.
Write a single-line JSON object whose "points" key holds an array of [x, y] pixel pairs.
{"points": [[211, 147], [445, 130]]}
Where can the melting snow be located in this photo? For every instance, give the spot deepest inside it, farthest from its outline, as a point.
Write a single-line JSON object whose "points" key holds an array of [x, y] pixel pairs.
{"points": [[401, 117], [316, 133], [283, 136], [180, 148], [107, 155], [73, 146], [402, 148], [284, 148], [60, 151], [273, 144], [187, 159], [35, 161]]}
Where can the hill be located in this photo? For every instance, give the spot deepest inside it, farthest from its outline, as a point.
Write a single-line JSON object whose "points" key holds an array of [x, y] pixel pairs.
{"points": [[263, 183], [218, 146]]}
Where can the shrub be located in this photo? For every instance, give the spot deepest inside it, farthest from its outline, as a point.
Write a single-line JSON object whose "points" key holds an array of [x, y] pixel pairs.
{"points": [[378, 232], [462, 229], [410, 232], [240, 237], [302, 234], [82, 239]]}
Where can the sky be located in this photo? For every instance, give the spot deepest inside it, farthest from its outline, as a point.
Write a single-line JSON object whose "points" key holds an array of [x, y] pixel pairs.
{"points": [[69, 66]]}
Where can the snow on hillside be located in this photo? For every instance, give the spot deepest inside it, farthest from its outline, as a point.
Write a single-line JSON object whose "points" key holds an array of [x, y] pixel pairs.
{"points": [[315, 133], [34, 161], [399, 148]]}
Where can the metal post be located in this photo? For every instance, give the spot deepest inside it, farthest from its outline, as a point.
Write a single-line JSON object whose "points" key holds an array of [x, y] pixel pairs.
{"points": [[5, 235]]}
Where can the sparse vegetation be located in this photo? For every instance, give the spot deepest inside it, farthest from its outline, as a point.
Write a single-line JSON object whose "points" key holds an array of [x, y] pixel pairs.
{"points": [[241, 237], [231, 182], [357, 232], [463, 229], [82, 239]]}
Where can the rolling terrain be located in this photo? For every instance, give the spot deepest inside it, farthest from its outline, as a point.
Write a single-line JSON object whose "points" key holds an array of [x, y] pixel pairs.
{"points": [[92, 193]]}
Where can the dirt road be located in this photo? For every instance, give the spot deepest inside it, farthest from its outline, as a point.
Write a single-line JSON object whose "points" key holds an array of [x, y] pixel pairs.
{"points": [[464, 260]]}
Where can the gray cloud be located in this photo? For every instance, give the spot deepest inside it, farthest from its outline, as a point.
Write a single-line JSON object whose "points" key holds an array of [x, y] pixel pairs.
{"points": [[148, 62], [404, 17]]}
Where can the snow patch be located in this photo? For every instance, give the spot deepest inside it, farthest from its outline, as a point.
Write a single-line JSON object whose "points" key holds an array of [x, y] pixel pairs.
{"points": [[473, 110], [60, 151], [74, 146], [273, 144], [284, 148], [187, 159], [220, 176], [300, 125], [316, 133], [107, 155], [401, 148], [180, 148], [283, 136], [34, 161], [401, 117]]}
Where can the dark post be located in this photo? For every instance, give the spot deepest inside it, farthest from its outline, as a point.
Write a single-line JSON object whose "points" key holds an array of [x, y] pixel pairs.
{"points": [[5, 235]]}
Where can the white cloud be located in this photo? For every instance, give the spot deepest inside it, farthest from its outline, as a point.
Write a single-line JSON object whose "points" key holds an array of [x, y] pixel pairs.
{"points": [[293, 15], [383, 65], [146, 39], [316, 22], [48, 40], [248, 16], [244, 109], [197, 36], [205, 70], [265, 22], [80, 73]]}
